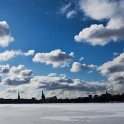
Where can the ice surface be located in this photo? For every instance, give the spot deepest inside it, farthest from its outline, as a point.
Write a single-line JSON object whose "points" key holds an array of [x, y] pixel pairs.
{"points": [[107, 113]]}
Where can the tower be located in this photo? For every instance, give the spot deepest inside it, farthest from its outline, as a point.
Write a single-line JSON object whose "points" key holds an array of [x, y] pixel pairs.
{"points": [[43, 96], [18, 96]]}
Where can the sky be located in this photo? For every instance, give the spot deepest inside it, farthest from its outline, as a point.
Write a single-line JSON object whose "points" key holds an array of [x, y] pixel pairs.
{"points": [[68, 48]]}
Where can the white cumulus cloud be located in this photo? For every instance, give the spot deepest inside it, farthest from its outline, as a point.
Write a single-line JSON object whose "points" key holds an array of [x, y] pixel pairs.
{"points": [[5, 34], [57, 58], [4, 68], [98, 34], [76, 66], [114, 70], [54, 83], [17, 75], [8, 54], [29, 53]]}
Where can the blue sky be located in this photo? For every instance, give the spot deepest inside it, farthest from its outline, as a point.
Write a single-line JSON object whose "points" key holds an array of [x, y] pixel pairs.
{"points": [[45, 26]]}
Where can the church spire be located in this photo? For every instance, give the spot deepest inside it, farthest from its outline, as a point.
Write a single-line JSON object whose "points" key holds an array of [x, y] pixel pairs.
{"points": [[18, 96], [43, 96]]}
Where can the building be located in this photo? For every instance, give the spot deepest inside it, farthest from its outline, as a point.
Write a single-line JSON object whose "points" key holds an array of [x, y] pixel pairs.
{"points": [[18, 96], [43, 96]]}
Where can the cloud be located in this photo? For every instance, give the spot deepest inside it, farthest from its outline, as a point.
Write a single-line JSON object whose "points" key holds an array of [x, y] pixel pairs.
{"points": [[116, 65], [82, 58], [115, 54], [98, 34], [17, 75], [65, 8], [15, 81], [56, 75], [9, 54], [52, 75], [5, 35], [19, 78], [5, 56], [4, 69], [76, 66], [20, 71], [103, 8], [12, 91], [57, 58], [89, 72], [67, 11], [61, 86], [71, 14], [114, 70], [54, 83], [29, 53]]}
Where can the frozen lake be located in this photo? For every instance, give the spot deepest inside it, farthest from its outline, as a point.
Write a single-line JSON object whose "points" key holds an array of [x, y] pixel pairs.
{"points": [[108, 113]]}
